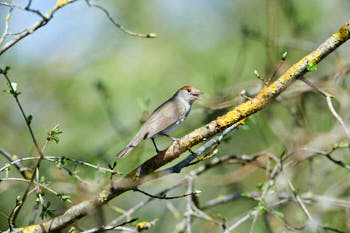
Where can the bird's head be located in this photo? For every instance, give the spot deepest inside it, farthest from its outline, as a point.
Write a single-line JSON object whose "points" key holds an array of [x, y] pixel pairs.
{"points": [[189, 93]]}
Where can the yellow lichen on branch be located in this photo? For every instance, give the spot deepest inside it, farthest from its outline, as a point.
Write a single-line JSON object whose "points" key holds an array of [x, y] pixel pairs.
{"points": [[61, 3], [29, 229], [269, 93], [343, 33]]}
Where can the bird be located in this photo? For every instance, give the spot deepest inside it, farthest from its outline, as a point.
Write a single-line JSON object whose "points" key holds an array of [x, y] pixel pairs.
{"points": [[164, 119]]}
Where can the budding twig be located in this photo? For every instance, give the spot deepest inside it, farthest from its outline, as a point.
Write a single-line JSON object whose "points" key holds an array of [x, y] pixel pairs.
{"points": [[269, 81]]}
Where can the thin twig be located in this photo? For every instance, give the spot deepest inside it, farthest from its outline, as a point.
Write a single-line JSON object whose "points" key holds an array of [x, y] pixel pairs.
{"points": [[260, 78], [298, 199], [36, 183], [329, 102], [6, 32], [43, 21], [269, 81], [189, 211], [164, 196], [335, 114], [149, 35], [15, 94], [313, 86], [22, 169], [111, 227], [241, 220]]}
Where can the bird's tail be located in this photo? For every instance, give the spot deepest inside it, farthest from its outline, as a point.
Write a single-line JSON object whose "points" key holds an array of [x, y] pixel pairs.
{"points": [[134, 142], [125, 152]]}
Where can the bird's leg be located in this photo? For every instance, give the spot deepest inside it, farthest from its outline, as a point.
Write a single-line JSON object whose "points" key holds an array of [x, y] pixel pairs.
{"points": [[175, 139], [172, 138], [155, 146]]}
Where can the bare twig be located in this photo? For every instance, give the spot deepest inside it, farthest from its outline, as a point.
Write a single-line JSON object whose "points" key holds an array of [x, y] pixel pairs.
{"points": [[228, 198], [149, 35], [268, 184], [36, 183], [17, 163], [298, 199], [329, 102], [164, 197], [241, 220], [189, 211], [338, 162], [313, 86], [43, 21], [335, 114], [6, 32], [112, 227]]}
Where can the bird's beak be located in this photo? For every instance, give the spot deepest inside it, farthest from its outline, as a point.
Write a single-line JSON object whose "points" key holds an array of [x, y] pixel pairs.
{"points": [[197, 94]]}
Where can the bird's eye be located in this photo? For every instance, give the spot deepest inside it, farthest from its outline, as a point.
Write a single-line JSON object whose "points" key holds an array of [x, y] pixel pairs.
{"points": [[188, 90]]}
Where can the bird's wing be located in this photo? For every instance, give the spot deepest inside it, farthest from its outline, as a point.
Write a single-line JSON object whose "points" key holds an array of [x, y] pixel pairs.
{"points": [[164, 116]]}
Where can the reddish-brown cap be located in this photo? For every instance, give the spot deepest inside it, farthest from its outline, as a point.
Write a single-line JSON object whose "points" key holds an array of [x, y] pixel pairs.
{"points": [[189, 88]]}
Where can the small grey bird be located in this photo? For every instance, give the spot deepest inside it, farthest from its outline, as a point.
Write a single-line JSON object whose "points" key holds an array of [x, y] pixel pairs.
{"points": [[166, 118]]}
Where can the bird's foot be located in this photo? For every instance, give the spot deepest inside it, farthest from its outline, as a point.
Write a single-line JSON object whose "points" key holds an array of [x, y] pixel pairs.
{"points": [[174, 139]]}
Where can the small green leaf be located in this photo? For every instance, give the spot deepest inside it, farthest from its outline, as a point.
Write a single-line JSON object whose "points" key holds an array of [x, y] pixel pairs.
{"points": [[311, 66], [42, 179], [152, 35], [256, 73], [278, 214], [45, 212], [7, 68], [56, 139], [341, 144], [284, 55], [6, 91], [10, 167], [52, 135], [246, 195], [260, 208], [63, 197], [260, 186]]}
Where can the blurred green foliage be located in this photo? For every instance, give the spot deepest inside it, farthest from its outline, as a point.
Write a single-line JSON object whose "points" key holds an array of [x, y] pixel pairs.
{"points": [[100, 91]]}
